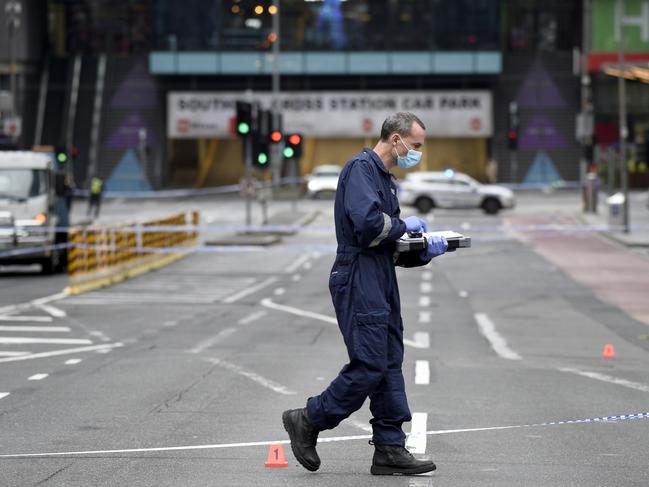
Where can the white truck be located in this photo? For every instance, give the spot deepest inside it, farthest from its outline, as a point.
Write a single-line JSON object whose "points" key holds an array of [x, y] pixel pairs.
{"points": [[33, 211]]}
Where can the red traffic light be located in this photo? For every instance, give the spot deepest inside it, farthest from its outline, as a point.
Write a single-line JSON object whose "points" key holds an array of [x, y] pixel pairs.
{"points": [[294, 139], [511, 135], [276, 136]]}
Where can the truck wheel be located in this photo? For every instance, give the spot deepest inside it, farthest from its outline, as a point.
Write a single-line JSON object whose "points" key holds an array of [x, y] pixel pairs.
{"points": [[424, 205], [491, 206]]}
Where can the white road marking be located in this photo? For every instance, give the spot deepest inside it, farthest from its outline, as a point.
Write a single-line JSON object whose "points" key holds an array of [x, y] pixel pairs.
{"points": [[416, 442], [56, 341], [220, 336], [424, 301], [13, 354], [101, 335], [4, 394], [45, 329], [607, 378], [268, 303], [279, 291], [296, 277], [246, 292], [13, 308], [422, 372], [427, 276], [465, 226], [61, 352], [38, 376], [104, 350], [246, 320], [421, 339], [463, 294], [56, 312], [72, 361], [33, 319], [495, 339], [295, 265], [592, 421], [426, 287], [424, 316], [170, 324], [307, 266], [270, 384]]}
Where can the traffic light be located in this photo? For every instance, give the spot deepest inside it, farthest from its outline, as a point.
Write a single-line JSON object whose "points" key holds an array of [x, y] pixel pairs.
{"points": [[513, 126], [276, 135], [61, 155], [244, 118], [260, 145], [293, 147]]}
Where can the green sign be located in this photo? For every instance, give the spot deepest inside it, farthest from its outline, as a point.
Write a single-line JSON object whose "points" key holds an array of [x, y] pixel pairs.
{"points": [[635, 26]]}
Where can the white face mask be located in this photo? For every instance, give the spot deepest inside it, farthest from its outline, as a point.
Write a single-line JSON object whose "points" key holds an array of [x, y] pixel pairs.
{"points": [[411, 159]]}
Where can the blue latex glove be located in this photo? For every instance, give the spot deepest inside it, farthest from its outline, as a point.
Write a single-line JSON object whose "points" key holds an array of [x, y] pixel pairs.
{"points": [[415, 224], [436, 246]]}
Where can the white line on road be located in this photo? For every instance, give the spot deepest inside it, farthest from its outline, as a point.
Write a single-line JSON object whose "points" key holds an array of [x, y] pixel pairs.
{"points": [[47, 329], [12, 308], [55, 341], [38, 377], [246, 320], [607, 378], [72, 361], [246, 292], [56, 312], [495, 339], [13, 354], [296, 277], [463, 294], [424, 316], [66, 351], [591, 421], [268, 303], [426, 287], [295, 265], [34, 319], [279, 291], [359, 424], [421, 339], [424, 301], [416, 442], [263, 381], [422, 372], [427, 276], [220, 336], [4, 394]]}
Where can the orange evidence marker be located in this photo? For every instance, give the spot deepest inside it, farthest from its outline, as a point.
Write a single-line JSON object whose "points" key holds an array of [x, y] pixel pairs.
{"points": [[275, 457], [609, 351]]}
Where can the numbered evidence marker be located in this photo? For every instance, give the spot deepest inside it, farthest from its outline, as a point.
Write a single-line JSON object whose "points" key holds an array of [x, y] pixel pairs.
{"points": [[276, 457]]}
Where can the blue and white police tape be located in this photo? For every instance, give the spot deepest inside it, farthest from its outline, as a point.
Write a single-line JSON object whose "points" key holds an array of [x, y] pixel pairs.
{"points": [[324, 439]]}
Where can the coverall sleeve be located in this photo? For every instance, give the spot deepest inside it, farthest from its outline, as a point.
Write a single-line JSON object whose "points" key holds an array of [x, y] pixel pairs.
{"points": [[363, 205]]}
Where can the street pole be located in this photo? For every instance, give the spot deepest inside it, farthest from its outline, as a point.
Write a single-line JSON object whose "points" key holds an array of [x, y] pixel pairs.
{"points": [[624, 131], [586, 105], [276, 111]]}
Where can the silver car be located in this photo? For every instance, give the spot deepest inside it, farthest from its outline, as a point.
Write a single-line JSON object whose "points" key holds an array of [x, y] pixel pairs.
{"points": [[323, 181], [451, 189]]}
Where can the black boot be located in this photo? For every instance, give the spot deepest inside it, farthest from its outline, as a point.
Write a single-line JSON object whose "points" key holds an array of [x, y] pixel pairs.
{"points": [[303, 438], [396, 460]]}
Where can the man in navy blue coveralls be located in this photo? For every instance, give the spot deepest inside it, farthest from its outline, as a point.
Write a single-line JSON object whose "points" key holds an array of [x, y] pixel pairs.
{"points": [[365, 295]]}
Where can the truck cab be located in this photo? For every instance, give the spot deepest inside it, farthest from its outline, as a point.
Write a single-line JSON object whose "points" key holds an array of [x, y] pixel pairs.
{"points": [[33, 213]]}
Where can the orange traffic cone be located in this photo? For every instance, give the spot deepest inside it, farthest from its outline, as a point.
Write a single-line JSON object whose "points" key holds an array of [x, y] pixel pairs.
{"points": [[275, 457], [609, 351]]}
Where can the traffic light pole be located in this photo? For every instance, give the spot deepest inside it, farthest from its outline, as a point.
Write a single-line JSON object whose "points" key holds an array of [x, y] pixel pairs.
{"points": [[248, 161], [276, 150], [624, 131]]}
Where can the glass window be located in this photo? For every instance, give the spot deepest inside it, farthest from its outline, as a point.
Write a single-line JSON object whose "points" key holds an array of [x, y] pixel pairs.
{"points": [[22, 183]]}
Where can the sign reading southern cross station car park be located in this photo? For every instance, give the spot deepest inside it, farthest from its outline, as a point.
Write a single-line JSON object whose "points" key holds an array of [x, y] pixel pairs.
{"points": [[335, 114]]}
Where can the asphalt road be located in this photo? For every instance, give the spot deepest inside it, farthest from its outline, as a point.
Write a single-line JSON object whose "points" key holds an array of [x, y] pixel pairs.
{"points": [[504, 351]]}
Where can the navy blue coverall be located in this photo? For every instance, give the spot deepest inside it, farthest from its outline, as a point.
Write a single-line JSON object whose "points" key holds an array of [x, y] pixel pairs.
{"points": [[365, 295]]}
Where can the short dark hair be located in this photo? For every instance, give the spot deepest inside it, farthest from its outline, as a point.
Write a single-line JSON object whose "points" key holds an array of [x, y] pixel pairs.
{"points": [[401, 123]]}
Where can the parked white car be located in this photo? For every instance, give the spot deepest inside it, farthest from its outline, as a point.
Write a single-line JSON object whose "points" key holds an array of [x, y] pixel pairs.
{"points": [[451, 189], [323, 181]]}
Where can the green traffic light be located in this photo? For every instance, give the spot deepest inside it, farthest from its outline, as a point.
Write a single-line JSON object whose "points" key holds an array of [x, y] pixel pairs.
{"points": [[243, 128], [289, 152], [61, 157], [262, 158]]}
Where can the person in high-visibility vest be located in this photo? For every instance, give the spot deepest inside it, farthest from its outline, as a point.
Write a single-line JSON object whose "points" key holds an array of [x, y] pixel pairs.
{"points": [[96, 190]]}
